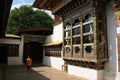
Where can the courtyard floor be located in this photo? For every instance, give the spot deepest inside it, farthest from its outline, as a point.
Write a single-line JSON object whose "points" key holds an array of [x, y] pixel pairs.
{"points": [[38, 72]]}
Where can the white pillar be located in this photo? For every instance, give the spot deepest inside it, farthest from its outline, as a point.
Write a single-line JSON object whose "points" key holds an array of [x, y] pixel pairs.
{"points": [[111, 68]]}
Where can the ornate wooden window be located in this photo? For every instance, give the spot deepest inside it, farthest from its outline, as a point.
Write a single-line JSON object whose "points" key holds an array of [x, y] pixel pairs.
{"points": [[85, 36], [53, 51]]}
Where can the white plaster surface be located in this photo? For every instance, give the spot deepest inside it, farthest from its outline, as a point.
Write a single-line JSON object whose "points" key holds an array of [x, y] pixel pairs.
{"points": [[54, 62], [15, 61], [49, 39], [58, 33], [9, 41], [57, 36], [118, 78], [87, 73], [111, 68]]}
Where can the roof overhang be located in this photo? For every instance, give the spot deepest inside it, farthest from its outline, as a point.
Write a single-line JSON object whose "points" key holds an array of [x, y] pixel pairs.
{"points": [[12, 36], [62, 7], [53, 43], [5, 6], [116, 5], [52, 5]]}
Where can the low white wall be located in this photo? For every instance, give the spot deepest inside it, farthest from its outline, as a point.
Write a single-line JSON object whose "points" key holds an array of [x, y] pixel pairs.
{"points": [[87, 73], [14, 60], [9, 41], [54, 62]]}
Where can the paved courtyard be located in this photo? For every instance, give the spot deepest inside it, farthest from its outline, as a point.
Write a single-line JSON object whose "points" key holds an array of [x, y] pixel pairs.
{"points": [[38, 72]]}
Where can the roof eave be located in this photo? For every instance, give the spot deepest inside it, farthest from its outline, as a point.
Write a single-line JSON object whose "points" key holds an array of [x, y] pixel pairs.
{"points": [[46, 4], [5, 10]]}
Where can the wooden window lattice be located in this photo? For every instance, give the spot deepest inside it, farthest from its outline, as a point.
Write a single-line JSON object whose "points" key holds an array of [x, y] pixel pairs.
{"points": [[13, 51]]}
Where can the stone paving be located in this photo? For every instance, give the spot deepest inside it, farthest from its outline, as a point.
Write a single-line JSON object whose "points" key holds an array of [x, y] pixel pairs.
{"points": [[38, 72]]}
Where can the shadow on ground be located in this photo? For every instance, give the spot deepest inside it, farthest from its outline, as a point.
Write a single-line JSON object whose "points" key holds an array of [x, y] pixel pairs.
{"points": [[38, 72], [20, 73]]}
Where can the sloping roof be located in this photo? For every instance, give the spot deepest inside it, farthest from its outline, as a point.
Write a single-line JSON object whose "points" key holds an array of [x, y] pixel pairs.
{"points": [[12, 36], [53, 43], [5, 6]]}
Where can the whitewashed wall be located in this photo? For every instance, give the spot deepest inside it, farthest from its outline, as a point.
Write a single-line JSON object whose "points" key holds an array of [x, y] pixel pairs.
{"points": [[49, 39], [58, 33], [14, 60], [55, 62], [111, 68], [87, 73]]}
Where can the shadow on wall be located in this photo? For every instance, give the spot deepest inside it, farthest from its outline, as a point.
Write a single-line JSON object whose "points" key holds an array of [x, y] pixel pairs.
{"points": [[47, 61]]}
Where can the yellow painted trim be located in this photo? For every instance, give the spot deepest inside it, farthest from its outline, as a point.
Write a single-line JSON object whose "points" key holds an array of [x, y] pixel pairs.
{"points": [[53, 43]]}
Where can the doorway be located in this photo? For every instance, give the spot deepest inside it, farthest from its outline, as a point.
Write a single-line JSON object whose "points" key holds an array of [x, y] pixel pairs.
{"points": [[3, 54], [34, 50]]}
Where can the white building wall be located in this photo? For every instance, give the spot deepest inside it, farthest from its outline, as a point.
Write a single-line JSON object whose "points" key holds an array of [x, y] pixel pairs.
{"points": [[58, 33], [111, 68], [9, 41], [89, 74], [49, 39], [55, 62], [14, 60]]}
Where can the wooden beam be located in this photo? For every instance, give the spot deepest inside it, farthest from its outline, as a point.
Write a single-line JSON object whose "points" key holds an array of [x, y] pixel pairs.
{"points": [[5, 6], [61, 4]]}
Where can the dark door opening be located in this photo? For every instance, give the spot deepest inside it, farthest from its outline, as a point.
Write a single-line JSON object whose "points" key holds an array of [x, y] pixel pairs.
{"points": [[3, 54], [34, 50]]}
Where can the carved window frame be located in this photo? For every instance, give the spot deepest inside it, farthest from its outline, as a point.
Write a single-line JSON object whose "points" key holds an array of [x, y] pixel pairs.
{"points": [[75, 35]]}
